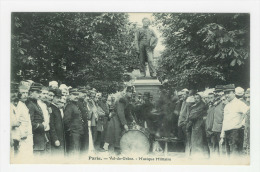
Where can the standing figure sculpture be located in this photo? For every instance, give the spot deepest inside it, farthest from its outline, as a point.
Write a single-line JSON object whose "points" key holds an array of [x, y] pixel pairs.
{"points": [[145, 42]]}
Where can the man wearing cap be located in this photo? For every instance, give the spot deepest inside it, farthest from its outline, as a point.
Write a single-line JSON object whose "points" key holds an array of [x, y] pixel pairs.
{"points": [[26, 136], [92, 114], [118, 121], [102, 103], [232, 129], [37, 120], [218, 115], [73, 123], [83, 108], [44, 104], [56, 125], [212, 142]]}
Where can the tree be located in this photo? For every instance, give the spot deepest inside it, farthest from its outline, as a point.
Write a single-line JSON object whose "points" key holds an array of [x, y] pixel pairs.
{"points": [[73, 48], [203, 50]]}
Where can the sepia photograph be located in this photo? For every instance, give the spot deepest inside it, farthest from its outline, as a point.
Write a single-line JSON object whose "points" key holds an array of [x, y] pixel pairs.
{"points": [[113, 87]]}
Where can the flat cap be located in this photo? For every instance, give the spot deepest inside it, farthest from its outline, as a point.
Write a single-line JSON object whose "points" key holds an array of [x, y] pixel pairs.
{"points": [[36, 87], [229, 87]]}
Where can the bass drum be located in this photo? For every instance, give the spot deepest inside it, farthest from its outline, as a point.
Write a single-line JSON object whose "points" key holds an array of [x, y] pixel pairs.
{"points": [[135, 141]]}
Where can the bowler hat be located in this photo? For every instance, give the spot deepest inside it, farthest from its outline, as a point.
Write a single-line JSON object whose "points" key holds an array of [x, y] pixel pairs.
{"points": [[57, 92], [229, 87], [36, 87]]}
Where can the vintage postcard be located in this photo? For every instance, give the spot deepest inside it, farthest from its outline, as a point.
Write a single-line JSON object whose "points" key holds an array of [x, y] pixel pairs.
{"points": [[126, 87]]}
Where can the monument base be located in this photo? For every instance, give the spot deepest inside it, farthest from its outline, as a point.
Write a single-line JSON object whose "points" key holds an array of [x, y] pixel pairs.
{"points": [[148, 84]]}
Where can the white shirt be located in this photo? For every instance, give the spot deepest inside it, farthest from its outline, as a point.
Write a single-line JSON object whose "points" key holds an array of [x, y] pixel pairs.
{"points": [[62, 114], [46, 115], [15, 133], [25, 119], [234, 114]]}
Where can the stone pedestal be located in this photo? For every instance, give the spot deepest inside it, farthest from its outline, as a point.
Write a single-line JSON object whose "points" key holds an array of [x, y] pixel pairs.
{"points": [[147, 84]]}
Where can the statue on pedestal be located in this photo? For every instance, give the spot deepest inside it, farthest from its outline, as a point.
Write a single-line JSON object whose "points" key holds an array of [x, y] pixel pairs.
{"points": [[145, 42]]}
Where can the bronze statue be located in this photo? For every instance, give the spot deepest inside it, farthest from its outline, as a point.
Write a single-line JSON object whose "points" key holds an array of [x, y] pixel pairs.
{"points": [[145, 42]]}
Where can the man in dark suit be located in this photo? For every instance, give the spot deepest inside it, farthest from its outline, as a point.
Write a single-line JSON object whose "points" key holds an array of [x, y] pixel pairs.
{"points": [[56, 125], [83, 108], [73, 123], [37, 119]]}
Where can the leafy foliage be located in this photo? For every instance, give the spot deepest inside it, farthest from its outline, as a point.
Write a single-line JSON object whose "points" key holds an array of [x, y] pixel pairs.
{"points": [[203, 50], [77, 49]]}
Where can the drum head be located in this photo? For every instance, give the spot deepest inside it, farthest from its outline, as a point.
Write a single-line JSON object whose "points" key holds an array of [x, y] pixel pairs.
{"points": [[134, 142]]}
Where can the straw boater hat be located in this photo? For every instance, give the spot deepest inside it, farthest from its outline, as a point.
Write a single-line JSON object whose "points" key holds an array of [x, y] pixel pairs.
{"points": [[239, 91]]}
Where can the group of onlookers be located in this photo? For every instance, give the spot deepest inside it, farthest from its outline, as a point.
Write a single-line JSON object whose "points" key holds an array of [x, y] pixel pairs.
{"points": [[57, 120], [215, 122], [60, 120]]}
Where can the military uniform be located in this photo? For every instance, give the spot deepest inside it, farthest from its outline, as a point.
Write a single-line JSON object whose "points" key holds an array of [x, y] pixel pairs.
{"points": [[83, 108], [73, 124], [122, 116]]}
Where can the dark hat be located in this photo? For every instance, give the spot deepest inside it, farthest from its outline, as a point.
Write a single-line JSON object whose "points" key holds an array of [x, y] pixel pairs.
{"points": [[52, 90], [219, 88], [57, 92], [82, 90], [229, 87], [36, 87], [129, 89], [139, 94], [73, 91]]}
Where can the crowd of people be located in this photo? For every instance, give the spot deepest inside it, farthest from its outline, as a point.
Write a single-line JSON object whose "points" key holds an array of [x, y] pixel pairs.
{"points": [[63, 121], [52, 120], [214, 123]]}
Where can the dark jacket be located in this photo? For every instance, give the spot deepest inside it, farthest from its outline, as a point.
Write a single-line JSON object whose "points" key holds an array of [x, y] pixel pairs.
{"points": [[39, 139], [210, 119], [56, 130], [85, 116], [218, 117], [73, 122], [184, 113], [198, 135], [121, 117]]}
